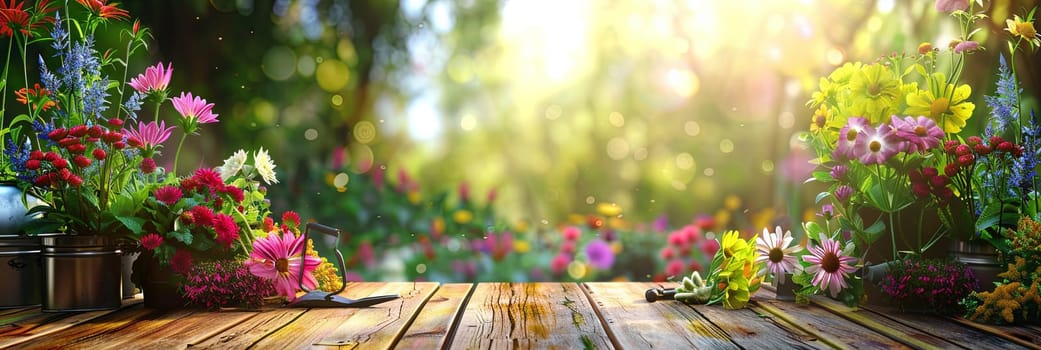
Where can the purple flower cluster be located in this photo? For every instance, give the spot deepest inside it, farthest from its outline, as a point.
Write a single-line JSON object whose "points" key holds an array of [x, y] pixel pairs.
{"points": [[226, 283], [875, 145], [939, 283]]}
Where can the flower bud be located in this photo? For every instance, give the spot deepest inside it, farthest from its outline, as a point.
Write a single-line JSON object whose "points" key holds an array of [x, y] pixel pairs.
{"points": [[81, 161], [95, 131], [36, 155], [78, 131], [939, 181], [962, 150], [972, 140], [996, 140], [929, 173], [77, 148], [57, 134], [950, 146], [60, 163], [951, 169], [32, 164], [147, 165], [966, 160], [119, 145], [75, 181], [51, 156], [99, 154], [924, 48], [115, 122]]}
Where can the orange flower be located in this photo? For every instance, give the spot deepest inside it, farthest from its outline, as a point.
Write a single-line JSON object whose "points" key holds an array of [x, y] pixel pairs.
{"points": [[36, 96], [105, 10]]}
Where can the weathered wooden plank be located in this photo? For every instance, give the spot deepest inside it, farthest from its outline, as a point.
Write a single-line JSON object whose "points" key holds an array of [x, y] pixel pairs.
{"points": [[171, 330], [375, 327], [826, 326], [39, 324], [626, 312], [257, 328], [541, 315], [1018, 334], [431, 328], [967, 337], [910, 336], [84, 335]]}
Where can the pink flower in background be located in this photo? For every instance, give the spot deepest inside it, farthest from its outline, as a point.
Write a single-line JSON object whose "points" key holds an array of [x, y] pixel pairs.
{"points": [[948, 6], [279, 258], [151, 241], [559, 263], [675, 267], [966, 46], [464, 192], [829, 267], [710, 247], [600, 254], [154, 79], [571, 233]]}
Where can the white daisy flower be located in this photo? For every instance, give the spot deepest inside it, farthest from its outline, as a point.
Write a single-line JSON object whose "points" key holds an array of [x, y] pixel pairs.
{"points": [[233, 165], [265, 167]]}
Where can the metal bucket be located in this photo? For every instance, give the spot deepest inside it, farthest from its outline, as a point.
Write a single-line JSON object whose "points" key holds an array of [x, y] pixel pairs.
{"points": [[81, 273], [20, 271]]}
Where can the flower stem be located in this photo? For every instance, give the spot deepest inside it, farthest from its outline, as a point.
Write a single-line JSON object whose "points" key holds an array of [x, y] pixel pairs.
{"points": [[177, 156]]}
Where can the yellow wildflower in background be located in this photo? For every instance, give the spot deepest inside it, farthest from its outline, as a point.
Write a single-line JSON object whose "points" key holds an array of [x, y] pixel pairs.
{"points": [[521, 246], [608, 209], [948, 107], [462, 216]]}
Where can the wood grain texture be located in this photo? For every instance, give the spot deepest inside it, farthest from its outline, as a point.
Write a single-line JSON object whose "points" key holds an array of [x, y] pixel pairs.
{"points": [[375, 327], [632, 322], [826, 326], [910, 336], [954, 332], [173, 330], [30, 324], [432, 327], [541, 315]]}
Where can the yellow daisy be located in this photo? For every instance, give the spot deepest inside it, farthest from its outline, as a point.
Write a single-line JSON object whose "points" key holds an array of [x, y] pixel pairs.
{"points": [[948, 106], [1024, 29], [874, 92]]}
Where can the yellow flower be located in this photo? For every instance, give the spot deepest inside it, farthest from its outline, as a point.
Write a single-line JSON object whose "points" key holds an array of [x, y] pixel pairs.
{"points": [[521, 247], [842, 75], [732, 244], [608, 210], [1024, 29], [819, 120], [732, 202], [874, 92], [949, 108], [462, 216]]}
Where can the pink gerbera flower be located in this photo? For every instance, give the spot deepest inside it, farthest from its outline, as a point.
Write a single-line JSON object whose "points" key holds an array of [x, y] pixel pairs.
{"points": [[829, 266], [278, 258], [920, 134], [876, 145], [155, 79], [149, 137], [195, 111], [776, 250]]}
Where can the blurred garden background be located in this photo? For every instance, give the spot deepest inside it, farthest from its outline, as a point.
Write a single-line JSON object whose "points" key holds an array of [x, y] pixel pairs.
{"points": [[527, 140]]}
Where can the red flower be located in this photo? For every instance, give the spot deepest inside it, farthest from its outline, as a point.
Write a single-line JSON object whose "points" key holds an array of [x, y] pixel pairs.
{"points": [[181, 262], [291, 217], [78, 131], [60, 163], [51, 156], [74, 180], [12, 17], [81, 161], [32, 164], [135, 142], [209, 178], [104, 10], [151, 241], [77, 148], [95, 131], [36, 96], [203, 215], [235, 193], [99, 154], [115, 122], [269, 224], [226, 229], [168, 194], [147, 165], [35, 154]]}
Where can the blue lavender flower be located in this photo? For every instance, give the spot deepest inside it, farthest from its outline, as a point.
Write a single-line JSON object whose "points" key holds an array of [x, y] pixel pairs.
{"points": [[133, 104], [1024, 168], [60, 36], [50, 81], [95, 98], [1004, 104]]}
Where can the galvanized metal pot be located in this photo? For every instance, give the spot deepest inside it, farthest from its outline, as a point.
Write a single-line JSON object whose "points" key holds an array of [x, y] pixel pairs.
{"points": [[81, 273], [20, 271]]}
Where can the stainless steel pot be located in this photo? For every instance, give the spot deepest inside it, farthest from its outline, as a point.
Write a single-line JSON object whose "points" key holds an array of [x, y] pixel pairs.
{"points": [[81, 273]]}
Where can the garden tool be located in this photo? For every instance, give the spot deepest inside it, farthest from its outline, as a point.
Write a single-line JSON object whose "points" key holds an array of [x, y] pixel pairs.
{"points": [[317, 298], [660, 293]]}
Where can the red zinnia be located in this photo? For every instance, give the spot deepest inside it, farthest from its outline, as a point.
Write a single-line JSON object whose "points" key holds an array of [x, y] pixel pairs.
{"points": [[203, 215], [235, 193], [99, 154], [181, 262], [168, 194], [226, 229], [147, 165], [151, 241], [291, 217]]}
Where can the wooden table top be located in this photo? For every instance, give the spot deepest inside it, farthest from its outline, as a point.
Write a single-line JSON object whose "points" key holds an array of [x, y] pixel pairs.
{"points": [[509, 315]]}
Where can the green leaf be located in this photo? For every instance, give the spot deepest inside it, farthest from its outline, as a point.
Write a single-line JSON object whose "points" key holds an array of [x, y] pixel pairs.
{"points": [[132, 223], [821, 196], [181, 234]]}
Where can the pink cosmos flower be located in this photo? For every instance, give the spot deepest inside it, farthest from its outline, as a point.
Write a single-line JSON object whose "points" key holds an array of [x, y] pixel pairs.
{"points": [[776, 250], [150, 135], [876, 145], [966, 46], [848, 136], [151, 241], [921, 133], [279, 258], [829, 266], [600, 254], [155, 79], [194, 109]]}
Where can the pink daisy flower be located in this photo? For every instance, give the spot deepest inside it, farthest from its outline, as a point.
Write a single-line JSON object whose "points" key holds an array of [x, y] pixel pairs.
{"points": [[920, 134], [149, 136], [848, 136], [279, 259], [195, 111], [876, 145], [776, 250], [829, 267], [155, 79]]}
